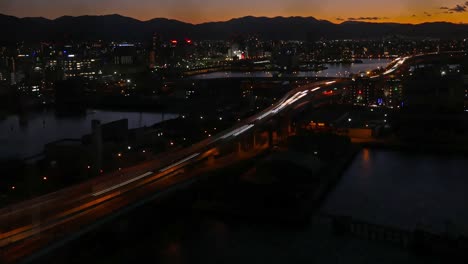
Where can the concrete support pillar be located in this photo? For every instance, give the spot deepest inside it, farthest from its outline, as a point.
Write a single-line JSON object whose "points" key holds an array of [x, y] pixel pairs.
{"points": [[254, 139], [97, 146], [270, 137], [280, 129]]}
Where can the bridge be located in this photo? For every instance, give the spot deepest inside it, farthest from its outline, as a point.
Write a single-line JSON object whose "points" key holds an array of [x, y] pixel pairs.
{"points": [[32, 228]]}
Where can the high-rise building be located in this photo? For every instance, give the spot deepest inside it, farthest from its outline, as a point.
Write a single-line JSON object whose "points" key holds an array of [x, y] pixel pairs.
{"points": [[155, 53], [124, 54], [13, 71]]}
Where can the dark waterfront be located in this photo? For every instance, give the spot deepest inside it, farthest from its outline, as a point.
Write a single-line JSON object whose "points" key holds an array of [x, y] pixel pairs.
{"points": [[403, 189], [25, 135]]}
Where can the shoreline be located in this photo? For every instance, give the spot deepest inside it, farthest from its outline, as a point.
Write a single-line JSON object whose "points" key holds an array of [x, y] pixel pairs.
{"points": [[420, 147]]}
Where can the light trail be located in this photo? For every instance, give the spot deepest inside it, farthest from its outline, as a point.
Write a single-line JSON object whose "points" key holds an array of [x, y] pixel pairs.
{"points": [[243, 130], [179, 162], [123, 183]]}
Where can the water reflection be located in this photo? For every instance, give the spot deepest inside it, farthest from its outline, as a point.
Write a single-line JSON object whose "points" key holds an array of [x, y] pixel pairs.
{"points": [[366, 156], [334, 70]]}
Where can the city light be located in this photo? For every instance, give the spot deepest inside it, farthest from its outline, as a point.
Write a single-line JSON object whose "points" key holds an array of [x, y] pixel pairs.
{"points": [[261, 105]]}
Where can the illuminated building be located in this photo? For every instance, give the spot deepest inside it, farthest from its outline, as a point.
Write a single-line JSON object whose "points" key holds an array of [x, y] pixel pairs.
{"points": [[76, 67], [363, 91], [124, 54]]}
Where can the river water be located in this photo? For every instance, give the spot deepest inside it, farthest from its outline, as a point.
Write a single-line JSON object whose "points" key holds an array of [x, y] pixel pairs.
{"points": [[25, 135], [334, 70], [406, 190]]}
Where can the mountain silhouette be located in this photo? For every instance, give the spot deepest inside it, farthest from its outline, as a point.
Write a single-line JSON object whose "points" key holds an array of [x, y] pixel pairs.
{"points": [[119, 28]]}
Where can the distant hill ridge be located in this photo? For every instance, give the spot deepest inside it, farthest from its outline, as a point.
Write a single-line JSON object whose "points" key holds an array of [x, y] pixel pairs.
{"points": [[117, 27]]}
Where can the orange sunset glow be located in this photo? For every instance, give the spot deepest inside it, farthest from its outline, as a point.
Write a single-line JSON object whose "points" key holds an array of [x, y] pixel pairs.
{"points": [[199, 11]]}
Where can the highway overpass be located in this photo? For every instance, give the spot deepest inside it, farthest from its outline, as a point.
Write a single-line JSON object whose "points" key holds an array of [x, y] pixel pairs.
{"points": [[31, 228]]}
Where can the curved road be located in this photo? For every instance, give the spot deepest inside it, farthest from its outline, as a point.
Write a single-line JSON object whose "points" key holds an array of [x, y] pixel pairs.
{"points": [[27, 227]]}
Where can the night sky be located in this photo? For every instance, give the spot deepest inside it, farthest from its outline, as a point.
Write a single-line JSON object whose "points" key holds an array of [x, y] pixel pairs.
{"points": [[197, 11]]}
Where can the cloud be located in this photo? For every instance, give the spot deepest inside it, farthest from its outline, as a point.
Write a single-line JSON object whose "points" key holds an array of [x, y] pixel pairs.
{"points": [[458, 9], [427, 14], [367, 18], [340, 19]]}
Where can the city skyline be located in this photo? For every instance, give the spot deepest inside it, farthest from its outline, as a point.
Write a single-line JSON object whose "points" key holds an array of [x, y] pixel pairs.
{"points": [[197, 11]]}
